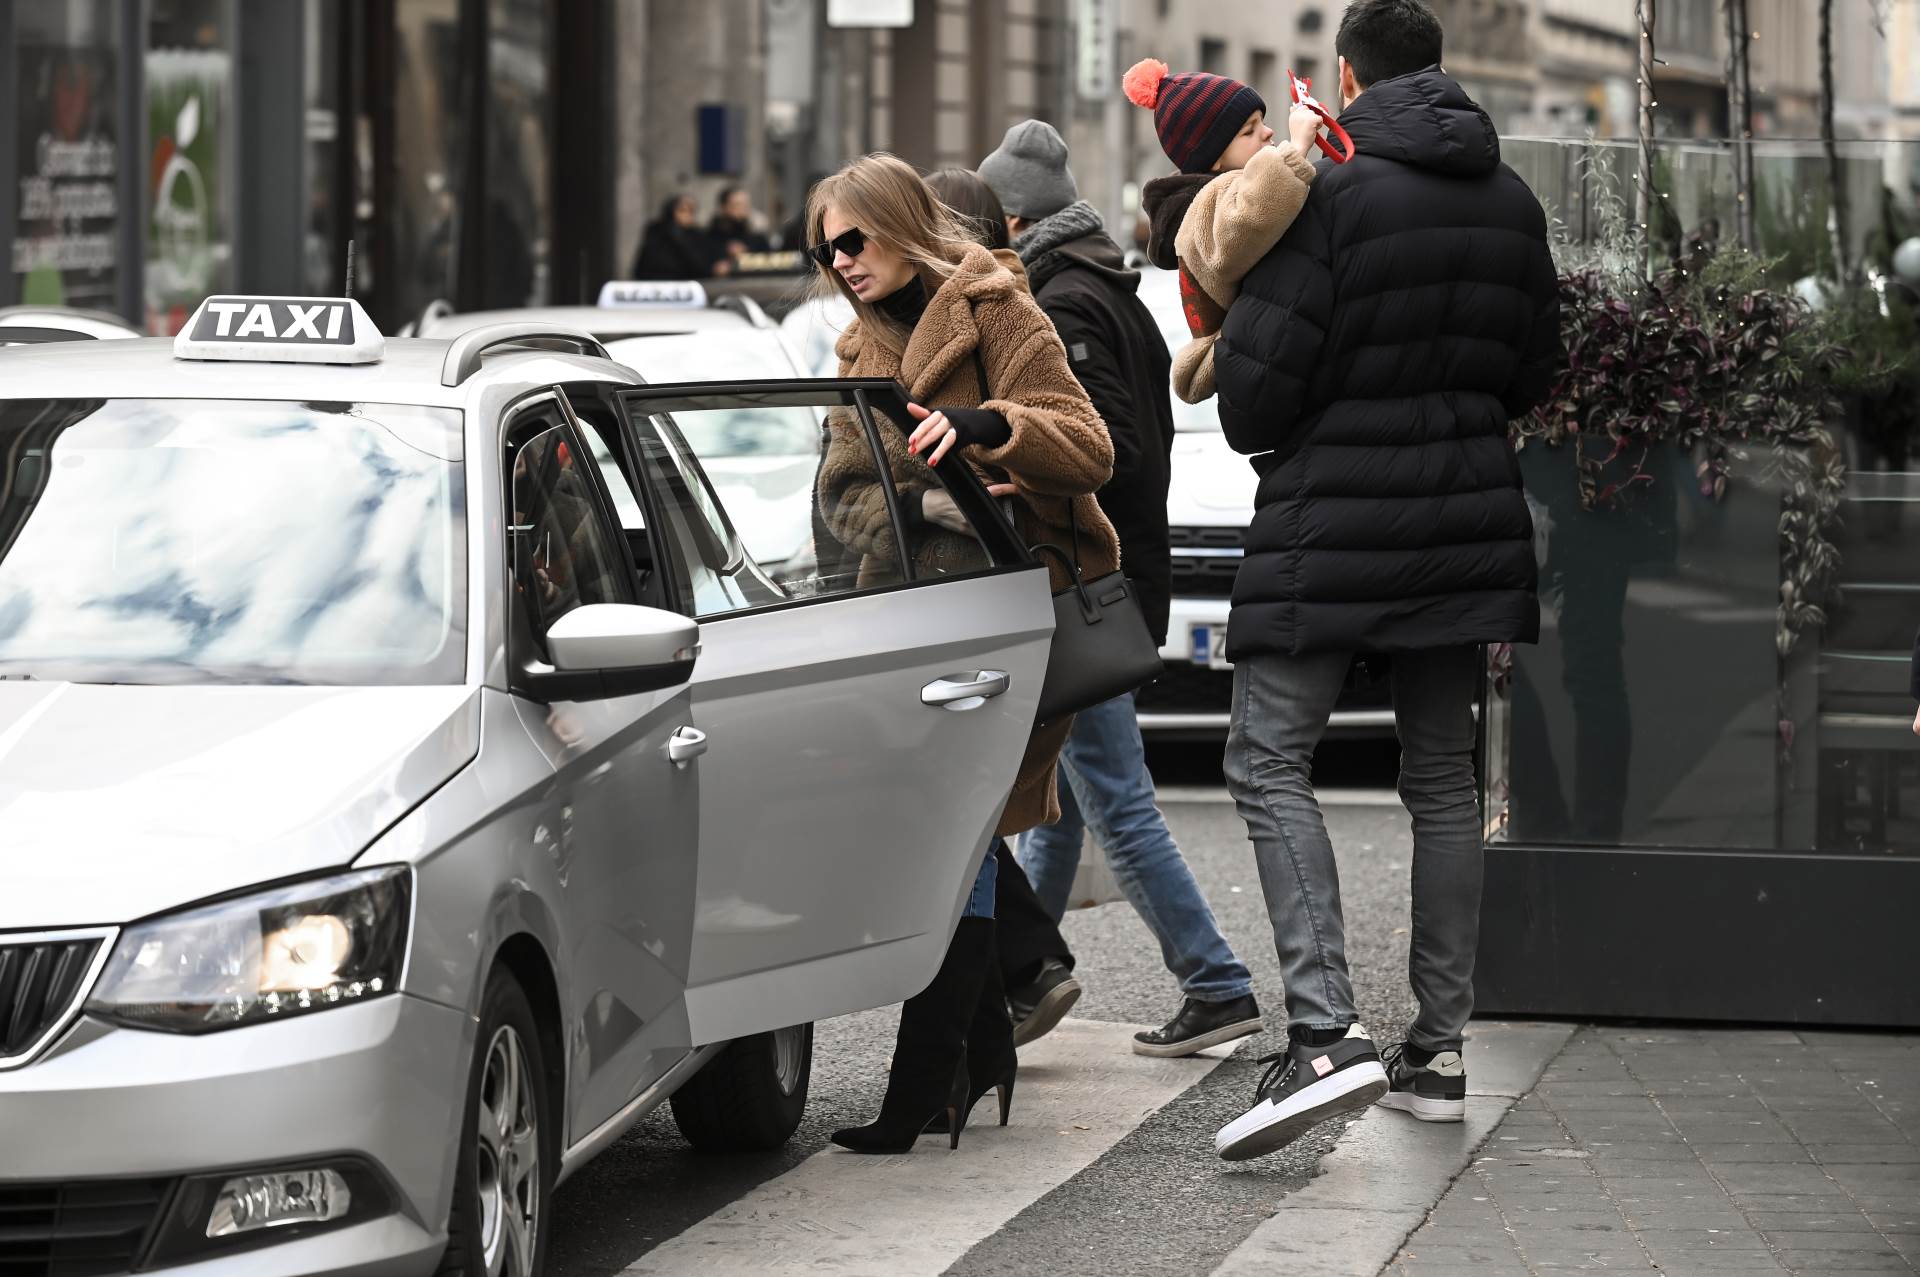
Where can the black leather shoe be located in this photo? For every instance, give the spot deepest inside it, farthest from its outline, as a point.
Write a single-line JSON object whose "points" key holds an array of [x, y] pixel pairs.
{"points": [[1199, 1026], [1037, 1007]]}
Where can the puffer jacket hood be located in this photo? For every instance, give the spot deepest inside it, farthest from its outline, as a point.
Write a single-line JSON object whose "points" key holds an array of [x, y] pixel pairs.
{"points": [[1427, 120]]}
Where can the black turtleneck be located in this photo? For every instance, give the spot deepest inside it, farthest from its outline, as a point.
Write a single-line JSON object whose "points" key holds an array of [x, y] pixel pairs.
{"points": [[905, 304]]}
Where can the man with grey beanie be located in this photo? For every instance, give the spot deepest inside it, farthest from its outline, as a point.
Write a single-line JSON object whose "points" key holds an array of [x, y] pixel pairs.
{"points": [[1079, 277]]}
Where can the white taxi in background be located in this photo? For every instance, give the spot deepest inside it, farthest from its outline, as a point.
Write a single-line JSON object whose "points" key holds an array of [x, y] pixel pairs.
{"points": [[674, 331]]}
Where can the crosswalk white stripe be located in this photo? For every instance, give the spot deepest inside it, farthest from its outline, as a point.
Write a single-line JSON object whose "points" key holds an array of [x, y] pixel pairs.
{"points": [[1081, 1090]]}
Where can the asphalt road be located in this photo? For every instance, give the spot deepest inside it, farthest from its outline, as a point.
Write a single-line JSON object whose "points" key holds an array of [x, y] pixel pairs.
{"points": [[1159, 1200]]}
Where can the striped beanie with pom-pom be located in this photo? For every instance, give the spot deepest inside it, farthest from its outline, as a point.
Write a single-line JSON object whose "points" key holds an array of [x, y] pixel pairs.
{"points": [[1196, 114]]}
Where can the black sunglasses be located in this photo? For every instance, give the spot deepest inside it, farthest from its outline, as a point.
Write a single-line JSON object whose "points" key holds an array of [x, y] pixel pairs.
{"points": [[851, 242]]}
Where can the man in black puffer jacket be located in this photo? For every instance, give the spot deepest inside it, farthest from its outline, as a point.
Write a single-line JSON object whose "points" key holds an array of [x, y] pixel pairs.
{"points": [[1370, 366]]}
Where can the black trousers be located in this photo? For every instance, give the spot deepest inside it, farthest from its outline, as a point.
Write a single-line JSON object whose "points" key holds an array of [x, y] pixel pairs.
{"points": [[1026, 935]]}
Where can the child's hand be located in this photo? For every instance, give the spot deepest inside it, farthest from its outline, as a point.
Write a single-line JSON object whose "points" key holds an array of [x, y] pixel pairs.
{"points": [[1303, 125]]}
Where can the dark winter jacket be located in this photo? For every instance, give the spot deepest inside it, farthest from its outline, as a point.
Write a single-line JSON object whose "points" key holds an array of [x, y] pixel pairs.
{"points": [[724, 230], [1371, 364], [672, 251], [1116, 351]]}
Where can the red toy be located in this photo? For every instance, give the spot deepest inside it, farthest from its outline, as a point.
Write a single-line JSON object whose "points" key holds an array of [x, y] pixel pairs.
{"points": [[1302, 95]]}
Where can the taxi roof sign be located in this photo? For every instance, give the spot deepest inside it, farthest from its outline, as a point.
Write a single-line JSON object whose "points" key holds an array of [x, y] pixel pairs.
{"points": [[306, 330], [687, 294]]}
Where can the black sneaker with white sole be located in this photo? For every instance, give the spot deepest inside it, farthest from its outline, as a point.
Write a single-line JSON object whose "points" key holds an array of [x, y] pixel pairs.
{"points": [[1036, 1007], [1433, 1090], [1304, 1086], [1199, 1026]]}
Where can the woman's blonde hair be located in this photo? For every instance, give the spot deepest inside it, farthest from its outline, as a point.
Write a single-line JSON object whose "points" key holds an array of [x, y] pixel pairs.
{"points": [[889, 202]]}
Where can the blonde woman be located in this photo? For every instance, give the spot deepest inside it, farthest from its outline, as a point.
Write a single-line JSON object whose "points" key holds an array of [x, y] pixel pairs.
{"points": [[935, 312]]}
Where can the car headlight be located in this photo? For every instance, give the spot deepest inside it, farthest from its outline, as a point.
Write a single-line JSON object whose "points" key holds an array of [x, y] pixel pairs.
{"points": [[285, 951]]}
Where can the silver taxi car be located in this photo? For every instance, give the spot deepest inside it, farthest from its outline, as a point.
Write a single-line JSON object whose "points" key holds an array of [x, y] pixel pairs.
{"points": [[386, 830]]}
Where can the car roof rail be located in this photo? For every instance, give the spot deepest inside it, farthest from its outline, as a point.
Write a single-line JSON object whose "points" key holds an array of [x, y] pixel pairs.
{"points": [[24, 336], [745, 307], [463, 355]]}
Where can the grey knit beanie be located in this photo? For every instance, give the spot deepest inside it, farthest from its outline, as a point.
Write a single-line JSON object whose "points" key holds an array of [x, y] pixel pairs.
{"points": [[1029, 172]]}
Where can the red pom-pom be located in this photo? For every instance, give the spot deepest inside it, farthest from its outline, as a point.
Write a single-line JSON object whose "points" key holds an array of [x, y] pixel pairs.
{"points": [[1142, 82]]}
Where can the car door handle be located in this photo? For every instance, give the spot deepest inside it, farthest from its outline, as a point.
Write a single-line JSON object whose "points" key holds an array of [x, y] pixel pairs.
{"points": [[965, 691], [686, 744]]}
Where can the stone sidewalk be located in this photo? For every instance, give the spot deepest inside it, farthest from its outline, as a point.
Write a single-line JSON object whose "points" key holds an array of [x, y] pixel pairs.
{"points": [[1694, 1151]]}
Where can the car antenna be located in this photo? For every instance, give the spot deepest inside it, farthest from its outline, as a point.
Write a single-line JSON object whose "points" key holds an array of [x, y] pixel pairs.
{"points": [[347, 291]]}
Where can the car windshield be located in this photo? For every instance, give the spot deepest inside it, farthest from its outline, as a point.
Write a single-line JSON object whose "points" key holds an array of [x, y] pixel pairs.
{"points": [[746, 354], [1160, 290], [199, 541]]}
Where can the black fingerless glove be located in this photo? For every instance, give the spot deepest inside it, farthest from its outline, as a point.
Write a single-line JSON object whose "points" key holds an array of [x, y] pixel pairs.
{"points": [[978, 427]]}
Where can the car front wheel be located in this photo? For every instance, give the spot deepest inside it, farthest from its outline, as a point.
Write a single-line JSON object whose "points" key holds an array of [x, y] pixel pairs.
{"points": [[751, 1096], [501, 1190]]}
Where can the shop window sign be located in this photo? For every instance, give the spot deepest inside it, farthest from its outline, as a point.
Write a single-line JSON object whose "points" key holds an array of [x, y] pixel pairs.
{"points": [[64, 249]]}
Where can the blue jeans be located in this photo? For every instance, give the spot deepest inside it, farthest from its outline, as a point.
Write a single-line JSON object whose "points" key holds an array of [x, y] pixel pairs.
{"points": [[1280, 709], [1105, 787], [980, 899]]}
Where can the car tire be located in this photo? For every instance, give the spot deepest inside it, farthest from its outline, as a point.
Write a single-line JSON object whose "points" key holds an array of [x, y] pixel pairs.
{"points": [[750, 1097], [499, 1222]]}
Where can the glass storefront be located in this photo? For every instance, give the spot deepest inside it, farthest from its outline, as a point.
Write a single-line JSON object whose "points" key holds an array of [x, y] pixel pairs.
{"points": [[422, 134], [1672, 701], [1702, 784], [65, 203]]}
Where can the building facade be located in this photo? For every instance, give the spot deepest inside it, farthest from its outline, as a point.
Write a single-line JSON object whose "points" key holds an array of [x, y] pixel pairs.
{"points": [[505, 152]]}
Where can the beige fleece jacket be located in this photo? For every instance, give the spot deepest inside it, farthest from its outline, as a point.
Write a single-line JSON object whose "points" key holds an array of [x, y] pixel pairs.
{"points": [[1234, 221]]}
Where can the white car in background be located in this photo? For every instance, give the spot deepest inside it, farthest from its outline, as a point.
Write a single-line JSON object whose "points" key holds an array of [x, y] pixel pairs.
{"points": [[673, 332], [1209, 504], [24, 325]]}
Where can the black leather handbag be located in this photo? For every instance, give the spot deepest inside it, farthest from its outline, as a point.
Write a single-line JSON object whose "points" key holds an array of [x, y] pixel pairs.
{"points": [[1101, 645]]}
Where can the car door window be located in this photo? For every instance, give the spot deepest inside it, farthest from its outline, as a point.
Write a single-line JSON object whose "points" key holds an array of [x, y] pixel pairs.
{"points": [[776, 497], [562, 551]]}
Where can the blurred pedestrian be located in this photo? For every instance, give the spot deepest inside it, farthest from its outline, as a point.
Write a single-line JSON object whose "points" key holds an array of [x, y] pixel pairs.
{"points": [[1114, 347], [674, 246], [1371, 364], [733, 228], [988, 381]]}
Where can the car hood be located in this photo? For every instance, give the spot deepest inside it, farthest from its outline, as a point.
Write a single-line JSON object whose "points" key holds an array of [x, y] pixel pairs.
{"points": [[121, 801], [1212, 485]]}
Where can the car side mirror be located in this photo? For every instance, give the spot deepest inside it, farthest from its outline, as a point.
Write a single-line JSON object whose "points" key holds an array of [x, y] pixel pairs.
{"points": [[616, 649]]}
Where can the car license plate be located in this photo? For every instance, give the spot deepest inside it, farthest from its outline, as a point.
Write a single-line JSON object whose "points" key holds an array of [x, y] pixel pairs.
{"points": [[1210, 647]]}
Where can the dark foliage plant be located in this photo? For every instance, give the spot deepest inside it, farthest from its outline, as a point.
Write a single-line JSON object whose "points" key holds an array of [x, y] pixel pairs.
{"points": [[1717, 363]]}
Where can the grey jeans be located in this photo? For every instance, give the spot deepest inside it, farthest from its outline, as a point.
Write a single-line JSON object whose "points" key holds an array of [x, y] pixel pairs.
{"points": [[1280, 709]]}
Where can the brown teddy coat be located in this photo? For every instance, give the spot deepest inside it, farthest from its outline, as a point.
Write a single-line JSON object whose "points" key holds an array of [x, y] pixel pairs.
{"points": [[1233, 222], [1058, 456]]}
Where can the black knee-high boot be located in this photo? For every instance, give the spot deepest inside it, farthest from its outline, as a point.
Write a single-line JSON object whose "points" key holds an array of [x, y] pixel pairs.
{"points": [[991, 1061], [928, 1079]]}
